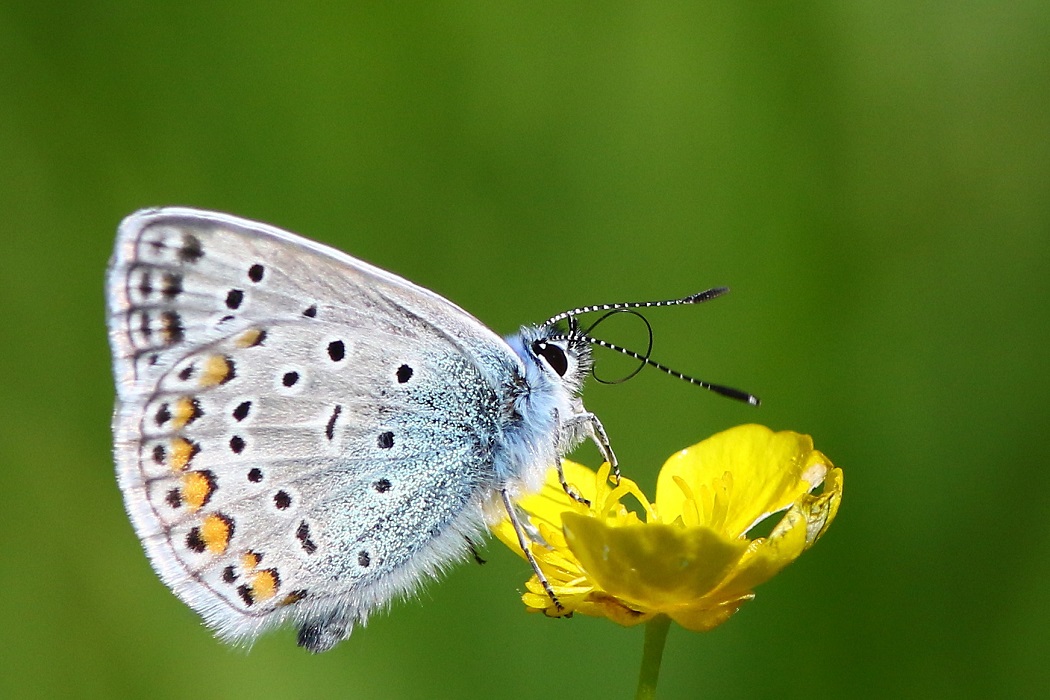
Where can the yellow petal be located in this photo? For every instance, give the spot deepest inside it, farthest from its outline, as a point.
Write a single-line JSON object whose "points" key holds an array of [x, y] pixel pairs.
{"points": [[736, 478], [802, 525], [550, 501], [698, 618], [546, 506], [653, 566], [600, 604]]}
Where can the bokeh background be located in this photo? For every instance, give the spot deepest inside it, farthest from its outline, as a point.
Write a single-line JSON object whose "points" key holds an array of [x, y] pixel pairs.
{"points": [[871, 178]]}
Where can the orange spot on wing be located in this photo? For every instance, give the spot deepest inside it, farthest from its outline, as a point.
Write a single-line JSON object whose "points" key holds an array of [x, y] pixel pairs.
{"points": [[217, 369], [249, 338], [216, 531], [264, 584], [186, 410], [293, 597], [250, 560], [182, 451], [197, 488], [171, 327]]}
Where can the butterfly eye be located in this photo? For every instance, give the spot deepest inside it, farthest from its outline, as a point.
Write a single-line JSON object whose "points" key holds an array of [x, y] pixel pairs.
{"points": [[554, 356]]}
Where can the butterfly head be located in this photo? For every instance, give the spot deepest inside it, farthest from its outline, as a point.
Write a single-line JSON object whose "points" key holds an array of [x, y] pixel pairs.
{"points": [[553, 357]]}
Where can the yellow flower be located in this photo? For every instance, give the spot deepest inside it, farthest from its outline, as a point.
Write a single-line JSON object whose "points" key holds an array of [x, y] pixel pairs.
{"points": [[691, 558]]}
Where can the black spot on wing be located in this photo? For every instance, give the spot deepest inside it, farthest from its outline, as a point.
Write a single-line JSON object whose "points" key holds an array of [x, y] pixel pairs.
{"points": [[241, 412], [191, 250], [329, 430], [234, 297], [302, 534]]}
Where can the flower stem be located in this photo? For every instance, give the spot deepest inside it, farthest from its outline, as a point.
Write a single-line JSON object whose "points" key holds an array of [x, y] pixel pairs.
{"points": [[652, 654]]}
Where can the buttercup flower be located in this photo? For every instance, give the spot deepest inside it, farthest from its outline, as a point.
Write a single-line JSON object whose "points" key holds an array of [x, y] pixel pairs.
{"points": [[693, 558]]}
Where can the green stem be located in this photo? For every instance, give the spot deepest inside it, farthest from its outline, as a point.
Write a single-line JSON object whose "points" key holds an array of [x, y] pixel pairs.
{"points": [[652, 654]]}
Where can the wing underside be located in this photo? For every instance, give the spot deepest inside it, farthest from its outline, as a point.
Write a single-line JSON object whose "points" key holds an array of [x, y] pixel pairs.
{"points": [[298, 435]]}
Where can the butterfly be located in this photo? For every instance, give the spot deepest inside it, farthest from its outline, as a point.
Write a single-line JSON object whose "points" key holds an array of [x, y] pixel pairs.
{"points": [[301, 437]]}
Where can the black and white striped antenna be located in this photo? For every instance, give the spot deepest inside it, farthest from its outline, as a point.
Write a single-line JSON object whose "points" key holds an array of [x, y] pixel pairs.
{"points": [[612, 309], [691, 299]]}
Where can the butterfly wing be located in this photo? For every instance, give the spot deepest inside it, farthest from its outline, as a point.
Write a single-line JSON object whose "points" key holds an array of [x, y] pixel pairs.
{"points": [[298, 435]]}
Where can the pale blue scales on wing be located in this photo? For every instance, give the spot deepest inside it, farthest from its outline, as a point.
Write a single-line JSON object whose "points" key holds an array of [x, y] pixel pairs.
{"points": [[302, 437]]}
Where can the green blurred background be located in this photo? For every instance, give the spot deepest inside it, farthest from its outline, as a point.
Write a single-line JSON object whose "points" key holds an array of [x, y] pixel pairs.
{"points": [[871, 178]]}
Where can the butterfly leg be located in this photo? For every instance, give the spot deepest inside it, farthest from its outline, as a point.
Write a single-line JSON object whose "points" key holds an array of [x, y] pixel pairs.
{"points": [[519, 530], [594, 429], [474, 551], [569, 489]]}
